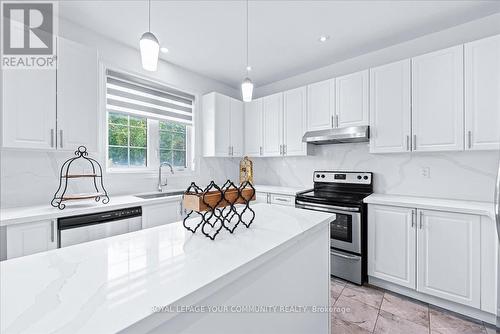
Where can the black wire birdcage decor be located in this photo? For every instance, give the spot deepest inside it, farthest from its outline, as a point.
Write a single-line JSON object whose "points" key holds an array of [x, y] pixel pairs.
{"points": [[65, 175]]}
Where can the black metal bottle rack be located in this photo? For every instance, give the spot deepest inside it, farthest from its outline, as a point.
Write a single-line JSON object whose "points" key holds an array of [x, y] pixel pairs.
{"points": [[96, 176]]}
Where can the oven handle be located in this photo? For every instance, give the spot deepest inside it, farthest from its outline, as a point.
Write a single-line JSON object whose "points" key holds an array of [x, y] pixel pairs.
{"points": [[323, 206], [349, 257]]}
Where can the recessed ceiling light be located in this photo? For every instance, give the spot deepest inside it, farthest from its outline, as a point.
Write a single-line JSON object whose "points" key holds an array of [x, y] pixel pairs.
{"points": [[249, 68], [323, 38], [164, 49]]}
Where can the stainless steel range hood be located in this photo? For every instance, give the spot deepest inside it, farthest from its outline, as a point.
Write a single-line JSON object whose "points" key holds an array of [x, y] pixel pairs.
{"points": [[353, 134]]}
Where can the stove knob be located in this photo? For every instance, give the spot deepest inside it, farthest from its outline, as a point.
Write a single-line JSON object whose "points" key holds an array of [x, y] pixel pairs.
{"points": [[322, 176], [359, 177], [317, 176], [365, 177]]}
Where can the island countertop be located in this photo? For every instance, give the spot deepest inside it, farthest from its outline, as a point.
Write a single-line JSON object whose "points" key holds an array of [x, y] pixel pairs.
{"points": [[110, 284]]}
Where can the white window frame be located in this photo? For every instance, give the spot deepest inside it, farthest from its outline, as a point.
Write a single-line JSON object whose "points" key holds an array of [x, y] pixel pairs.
{"points": [[153, 137]]}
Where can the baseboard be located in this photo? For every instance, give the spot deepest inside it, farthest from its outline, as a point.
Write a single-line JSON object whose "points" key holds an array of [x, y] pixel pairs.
{"points": [[458, 308]]}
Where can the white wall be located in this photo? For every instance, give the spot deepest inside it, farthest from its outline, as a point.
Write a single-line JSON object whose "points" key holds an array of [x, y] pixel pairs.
{"points": [[31, 177], [458, 175]]}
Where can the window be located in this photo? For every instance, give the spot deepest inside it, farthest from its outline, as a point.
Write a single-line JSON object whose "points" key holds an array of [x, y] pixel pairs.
{"points": [[127, 140], [173, 143], [147, 123]]}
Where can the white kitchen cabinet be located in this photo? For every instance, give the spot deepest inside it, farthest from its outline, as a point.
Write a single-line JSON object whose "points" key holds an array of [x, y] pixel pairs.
{"points": [[482, 89], [437, 101], [222, 126], [391, 244], [77, 96], [30, 238], [272, 125], [162, 213], [390, 108], [29, 108], [449, 256], [236, 135], [253, 128], [279, 199], [351, 99], [261, 197], [321, 105], [294, 121]]}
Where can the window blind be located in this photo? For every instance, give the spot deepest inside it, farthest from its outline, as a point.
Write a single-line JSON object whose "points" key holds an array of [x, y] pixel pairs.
{"points": [[136, 96]]}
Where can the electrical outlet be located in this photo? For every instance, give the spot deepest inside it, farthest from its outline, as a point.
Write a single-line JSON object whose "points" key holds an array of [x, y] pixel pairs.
{"points": [[425, 172]]}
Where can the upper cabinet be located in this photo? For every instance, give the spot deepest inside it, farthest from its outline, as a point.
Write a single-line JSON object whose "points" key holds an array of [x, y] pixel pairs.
{"points": [[53, 109], [253, 128], [294, 121], [321, 105], [29, 108], [77, 96], [437, 101], [222, 126], [390, 108], [482, 89], [272, 125], [351, 100]]}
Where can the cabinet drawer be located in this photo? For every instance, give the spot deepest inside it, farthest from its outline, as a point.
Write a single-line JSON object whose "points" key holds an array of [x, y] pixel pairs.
{"points": [[283, 200]]}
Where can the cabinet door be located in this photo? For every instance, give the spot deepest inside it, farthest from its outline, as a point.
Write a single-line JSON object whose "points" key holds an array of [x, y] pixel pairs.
{"points": [[160, 214], [391, 244], [351, 98], [437, 99], [216, 125], [449, 256], [30, 238], [320, 105], [272, 120], [77, 96], [482, 90], [390, 108], [261, 197], [294, 121], [29, 108], [253, 128], [236, 128]]}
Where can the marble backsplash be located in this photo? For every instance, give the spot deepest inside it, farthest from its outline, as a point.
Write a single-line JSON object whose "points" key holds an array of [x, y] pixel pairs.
{"points": [[453, 175]]}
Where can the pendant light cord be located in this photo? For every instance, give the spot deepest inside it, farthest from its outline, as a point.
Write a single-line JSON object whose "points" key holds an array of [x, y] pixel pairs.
{"points": [[149, 15], [247, 38]]}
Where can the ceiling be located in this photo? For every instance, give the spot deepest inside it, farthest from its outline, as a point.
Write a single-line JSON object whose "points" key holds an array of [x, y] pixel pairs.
{"points": [[208, 37]]}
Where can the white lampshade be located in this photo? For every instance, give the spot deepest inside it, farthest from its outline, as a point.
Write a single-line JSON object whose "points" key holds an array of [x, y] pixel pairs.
{"points": [[247, 90], [149, 51]]}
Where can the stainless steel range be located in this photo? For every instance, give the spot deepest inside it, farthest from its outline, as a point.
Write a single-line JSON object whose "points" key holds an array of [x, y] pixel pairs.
{"points": [[342, 193]]}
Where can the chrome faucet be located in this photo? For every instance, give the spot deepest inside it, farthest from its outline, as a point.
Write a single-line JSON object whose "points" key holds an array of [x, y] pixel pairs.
{"points": [[161, 185]]}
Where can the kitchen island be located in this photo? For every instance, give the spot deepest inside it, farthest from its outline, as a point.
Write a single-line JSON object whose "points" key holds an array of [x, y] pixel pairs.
{"points": [[265, 279]]}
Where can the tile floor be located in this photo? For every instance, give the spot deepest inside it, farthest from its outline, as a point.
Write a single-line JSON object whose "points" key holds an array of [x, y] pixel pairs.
{"points": [[371, 310]]}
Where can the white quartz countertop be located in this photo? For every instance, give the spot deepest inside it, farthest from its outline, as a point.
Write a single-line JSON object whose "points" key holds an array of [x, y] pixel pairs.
{"points": [[106, 285], [470, 207], [278, 189], [27, 214]]}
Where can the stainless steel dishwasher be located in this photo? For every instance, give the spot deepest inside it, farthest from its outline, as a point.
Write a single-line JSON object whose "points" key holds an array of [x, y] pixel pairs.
{"points": [[77, 229]]}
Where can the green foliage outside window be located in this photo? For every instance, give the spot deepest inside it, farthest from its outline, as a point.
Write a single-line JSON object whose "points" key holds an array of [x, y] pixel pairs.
{"points": [[173, 143], [127, 140]]}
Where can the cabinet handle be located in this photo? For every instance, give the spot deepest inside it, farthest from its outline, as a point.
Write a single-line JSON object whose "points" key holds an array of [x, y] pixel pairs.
{"points": [[52, 228], [336, 121], [407, 142], [421, 217], [51, 137], [414, 142], [469, 138], [333, 122], [61, 137], [412, 218], [284, 149], [268, 198], [180, 208], [281, 149], [281, 199], [260, 150], [232, 150]]}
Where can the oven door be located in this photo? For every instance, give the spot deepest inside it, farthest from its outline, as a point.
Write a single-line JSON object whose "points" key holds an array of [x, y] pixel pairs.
{"points": [[345, 226]]}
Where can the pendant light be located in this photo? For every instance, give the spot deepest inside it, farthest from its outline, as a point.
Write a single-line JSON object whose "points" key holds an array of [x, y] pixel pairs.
{"points": [[247, 84], [149, 46]]}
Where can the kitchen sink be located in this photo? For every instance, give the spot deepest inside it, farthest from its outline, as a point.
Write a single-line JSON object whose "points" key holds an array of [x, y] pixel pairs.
{"points": [[157, 195]]}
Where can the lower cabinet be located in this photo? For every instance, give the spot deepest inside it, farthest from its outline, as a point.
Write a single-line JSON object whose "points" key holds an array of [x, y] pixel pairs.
{"points": [[162, 213], [270, 198], [30, 238], [434, 252]]}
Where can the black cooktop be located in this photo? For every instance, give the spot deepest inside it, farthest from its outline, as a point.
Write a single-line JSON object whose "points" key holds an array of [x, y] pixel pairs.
{"points": [[332, 197]]}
